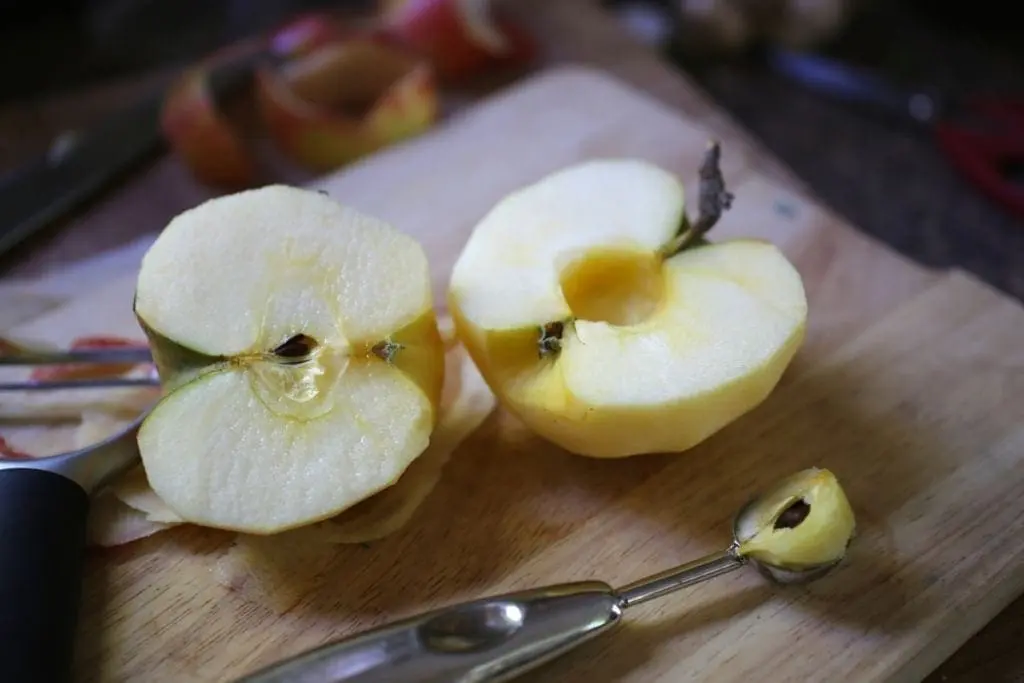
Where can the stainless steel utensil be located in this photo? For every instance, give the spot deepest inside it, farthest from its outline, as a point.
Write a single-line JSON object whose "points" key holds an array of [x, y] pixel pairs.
{"points": [[502, 637], [114, 356]]}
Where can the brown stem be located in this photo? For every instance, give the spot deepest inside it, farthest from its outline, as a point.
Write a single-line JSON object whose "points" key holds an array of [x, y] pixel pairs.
{"points": [[713, 200]]}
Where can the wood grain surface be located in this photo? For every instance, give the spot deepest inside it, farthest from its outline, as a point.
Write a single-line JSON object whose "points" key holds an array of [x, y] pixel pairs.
{"points": [[904, 388]]}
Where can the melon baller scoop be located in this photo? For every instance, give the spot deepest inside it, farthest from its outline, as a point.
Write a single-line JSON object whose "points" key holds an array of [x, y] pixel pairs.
{"points": [[502, 637]]}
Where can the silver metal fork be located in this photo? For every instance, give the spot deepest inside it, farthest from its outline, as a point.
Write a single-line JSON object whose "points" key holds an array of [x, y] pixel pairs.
{"points": [[25, 356]]}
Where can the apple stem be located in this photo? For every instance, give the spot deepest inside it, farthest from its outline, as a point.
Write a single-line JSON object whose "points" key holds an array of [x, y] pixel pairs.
{"points": [[712, 202]]}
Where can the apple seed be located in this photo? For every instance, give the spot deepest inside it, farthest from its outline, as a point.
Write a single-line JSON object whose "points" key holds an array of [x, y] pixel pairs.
{"points": [[792, 516], [298, 347]]}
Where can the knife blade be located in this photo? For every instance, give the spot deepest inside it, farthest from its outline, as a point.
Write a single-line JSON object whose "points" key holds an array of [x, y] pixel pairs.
{"points": [[80, 164], [76, 166]]}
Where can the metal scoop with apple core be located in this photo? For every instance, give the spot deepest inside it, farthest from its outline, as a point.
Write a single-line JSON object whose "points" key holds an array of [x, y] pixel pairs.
{"points": [[795, 533]]}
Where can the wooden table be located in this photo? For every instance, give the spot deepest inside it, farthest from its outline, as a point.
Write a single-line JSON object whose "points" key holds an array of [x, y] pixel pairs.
{"points": [[572, 30]]}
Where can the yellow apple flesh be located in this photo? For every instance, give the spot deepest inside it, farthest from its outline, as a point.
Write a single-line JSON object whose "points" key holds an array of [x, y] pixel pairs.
{"points": [[300, 354], [805, 522], [599, 341]]}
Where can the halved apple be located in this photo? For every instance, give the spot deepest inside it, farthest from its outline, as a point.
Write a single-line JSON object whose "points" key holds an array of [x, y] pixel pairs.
{"points": [[606, 332], [300, 355]]}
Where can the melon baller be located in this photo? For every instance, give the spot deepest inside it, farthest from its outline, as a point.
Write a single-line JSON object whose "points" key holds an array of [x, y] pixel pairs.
{"points": [[44, 506], [502, 637]]}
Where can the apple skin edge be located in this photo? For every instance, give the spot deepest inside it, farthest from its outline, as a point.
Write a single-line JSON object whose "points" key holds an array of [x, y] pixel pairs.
{"points": [[462, 38], [201, 137], [299, 102], [439, 41], [312, 132]]}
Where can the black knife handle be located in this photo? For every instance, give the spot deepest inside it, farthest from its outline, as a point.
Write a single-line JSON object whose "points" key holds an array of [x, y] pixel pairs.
{"points": [[42, 553]]}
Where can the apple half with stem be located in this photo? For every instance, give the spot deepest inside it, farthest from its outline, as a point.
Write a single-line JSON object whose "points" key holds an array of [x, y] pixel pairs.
{"points": [[601, 316], [300, 357]]}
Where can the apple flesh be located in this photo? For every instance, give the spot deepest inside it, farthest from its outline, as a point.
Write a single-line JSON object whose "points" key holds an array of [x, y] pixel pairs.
{"points": [[600, 340], [804, 522], [300, 355]]}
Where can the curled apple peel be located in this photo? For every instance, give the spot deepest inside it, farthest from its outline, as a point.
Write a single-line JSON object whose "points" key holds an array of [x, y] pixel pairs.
{"points": [[11, 452], [460, 37], [200, 135], [305, 34], [344, 100], [326, 94], [114, 520]]}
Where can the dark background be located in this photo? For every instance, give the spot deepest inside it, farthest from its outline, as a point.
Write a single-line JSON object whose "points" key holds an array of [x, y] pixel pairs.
{"points": [[886, 177]]}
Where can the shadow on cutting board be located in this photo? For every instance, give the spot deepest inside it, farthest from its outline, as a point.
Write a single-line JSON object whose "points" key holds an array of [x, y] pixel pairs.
{"points": [[512, 512], [531, 514]]}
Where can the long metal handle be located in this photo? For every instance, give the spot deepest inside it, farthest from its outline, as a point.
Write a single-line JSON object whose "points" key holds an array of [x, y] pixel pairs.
{"points": [[92, 356], [490, 640], [679, 577], [494, 639]]}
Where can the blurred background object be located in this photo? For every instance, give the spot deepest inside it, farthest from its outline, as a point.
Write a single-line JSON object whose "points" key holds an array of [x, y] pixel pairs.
{"points": [[76, 43], [891, 180]]}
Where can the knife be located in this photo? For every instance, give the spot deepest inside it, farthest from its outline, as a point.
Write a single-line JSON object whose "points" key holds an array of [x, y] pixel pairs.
{"points": [[78, 165]]}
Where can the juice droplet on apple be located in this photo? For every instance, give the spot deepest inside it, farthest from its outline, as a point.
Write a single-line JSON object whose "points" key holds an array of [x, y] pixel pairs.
{"points": [[295, 380]]}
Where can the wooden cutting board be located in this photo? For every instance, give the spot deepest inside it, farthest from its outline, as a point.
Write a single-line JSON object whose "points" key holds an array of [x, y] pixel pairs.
{"points": [[905, 388]]}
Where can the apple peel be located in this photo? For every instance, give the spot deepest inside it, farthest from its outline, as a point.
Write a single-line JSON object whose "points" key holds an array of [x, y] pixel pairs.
{"points": [[200, 135], [10, 452], [461, 38], [90, 371], [345, 100], [306, 33], [127, 510], [112, 523]]}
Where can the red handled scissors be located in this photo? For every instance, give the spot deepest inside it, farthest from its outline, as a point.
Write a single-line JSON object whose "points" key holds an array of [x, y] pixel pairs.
{"points": [[982, 136]]}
